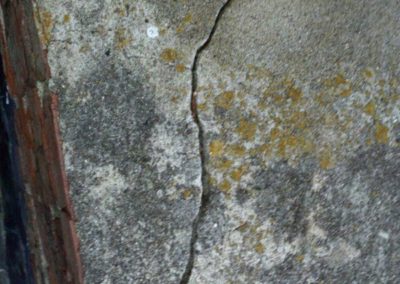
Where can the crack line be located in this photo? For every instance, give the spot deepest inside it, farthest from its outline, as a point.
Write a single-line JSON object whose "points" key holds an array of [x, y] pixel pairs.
{"points": [[202, 150]]}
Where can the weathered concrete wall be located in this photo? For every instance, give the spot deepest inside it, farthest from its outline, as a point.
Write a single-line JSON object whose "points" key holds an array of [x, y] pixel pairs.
{"points": [[230, 141]]}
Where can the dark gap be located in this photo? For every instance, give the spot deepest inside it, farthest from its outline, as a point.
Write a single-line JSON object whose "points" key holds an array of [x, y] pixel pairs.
{"points": [[16, 250]]}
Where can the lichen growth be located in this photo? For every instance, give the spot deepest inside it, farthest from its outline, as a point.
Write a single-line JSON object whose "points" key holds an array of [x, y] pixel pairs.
{"points": [[259, 248], [216, 148], [122, 38], [225, 100], [381, 133], [169, 55], [187, 194], [225, 186], [247, 129], [180, 68], [66, 19], [184, 23]]}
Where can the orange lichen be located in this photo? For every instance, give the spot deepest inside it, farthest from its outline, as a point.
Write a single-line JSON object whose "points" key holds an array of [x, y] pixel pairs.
{"points": [[236, 150], [185, 21], [259, 248], [300, 258], [224, 165], [282, 147], [275, 134], [202, 106], [370, 108], [225, 100], [225, 186], [325, 160], [180, 68], [216, 148], [122, 40], [295, 94], [187, 194], [46, 20], [261, 150], [381, 133], [169, 55], [66, 19], [346, 92], [237, 174], [246, 129], [340, 79], [368, 73]]}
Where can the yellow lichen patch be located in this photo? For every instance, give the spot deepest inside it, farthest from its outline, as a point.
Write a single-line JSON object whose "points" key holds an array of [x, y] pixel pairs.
{"points": [[225, 100], [346, 92], [370, 108], [325, 160], [291, 141], [163, 31], [169, 55], [295, 94], [180, 68], [259, 248], [46, 20], [336, 81], [225, 186], [381, 133], [66, 19], [223, 165], [298, 119], [262, 104], [300, 258], [237, 174], [275, 134], [122, 40], [246, 129], [216, 148], [212, 181], [307, 146], [368, 73], [236, 150], [263, 149], [187, 194], [202, 106], [340, 79], [185, 21]]}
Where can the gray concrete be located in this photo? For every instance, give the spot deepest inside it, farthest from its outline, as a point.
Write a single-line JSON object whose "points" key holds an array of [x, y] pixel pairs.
{"points": [[299, 108]]}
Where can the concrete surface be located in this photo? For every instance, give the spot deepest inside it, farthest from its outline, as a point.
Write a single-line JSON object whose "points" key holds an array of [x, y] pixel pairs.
{"points": [[298, 107]]}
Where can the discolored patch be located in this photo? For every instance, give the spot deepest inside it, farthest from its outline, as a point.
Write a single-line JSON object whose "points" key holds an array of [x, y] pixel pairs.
{"points": [[169, 55]]}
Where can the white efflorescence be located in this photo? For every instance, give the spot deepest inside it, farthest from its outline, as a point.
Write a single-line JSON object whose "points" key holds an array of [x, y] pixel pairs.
{"points": [[152, 32]]}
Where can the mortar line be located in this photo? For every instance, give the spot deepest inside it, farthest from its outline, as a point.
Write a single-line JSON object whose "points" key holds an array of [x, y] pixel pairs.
{"points": [[202, 149]]}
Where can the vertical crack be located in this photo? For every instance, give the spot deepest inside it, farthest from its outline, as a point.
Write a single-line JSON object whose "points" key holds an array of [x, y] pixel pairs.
{"points": [[202, 149]]}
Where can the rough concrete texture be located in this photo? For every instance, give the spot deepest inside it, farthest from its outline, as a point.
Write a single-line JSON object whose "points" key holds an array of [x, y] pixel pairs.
{"points": [[299, 117]]}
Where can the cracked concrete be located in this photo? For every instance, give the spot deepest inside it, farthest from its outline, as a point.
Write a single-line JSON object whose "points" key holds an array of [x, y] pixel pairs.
{"points": [[204, 176], [230, 141]]}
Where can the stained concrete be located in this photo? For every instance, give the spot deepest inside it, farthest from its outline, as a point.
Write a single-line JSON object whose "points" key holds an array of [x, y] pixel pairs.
{"points": [[291, 172]]}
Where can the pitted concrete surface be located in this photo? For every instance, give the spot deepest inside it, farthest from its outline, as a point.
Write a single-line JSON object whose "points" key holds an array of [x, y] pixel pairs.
{"points": [[290, 174]]}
